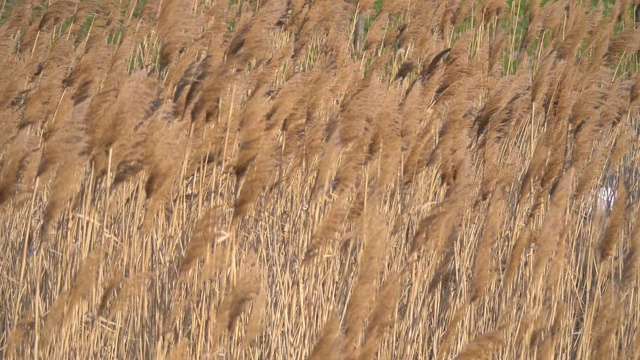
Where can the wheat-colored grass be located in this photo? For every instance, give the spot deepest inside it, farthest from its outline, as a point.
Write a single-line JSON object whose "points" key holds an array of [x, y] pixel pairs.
{"points": [[318, 179]]}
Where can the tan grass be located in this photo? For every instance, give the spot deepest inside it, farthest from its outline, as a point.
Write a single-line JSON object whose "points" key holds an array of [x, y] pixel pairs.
{"points": [[318, 179]]}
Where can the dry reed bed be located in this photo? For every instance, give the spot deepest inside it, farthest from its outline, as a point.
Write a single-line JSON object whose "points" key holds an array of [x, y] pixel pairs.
{"points": [[263, 179]]}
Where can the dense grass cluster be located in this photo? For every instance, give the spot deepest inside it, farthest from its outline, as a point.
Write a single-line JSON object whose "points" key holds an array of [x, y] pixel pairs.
{"points": [[326, 179]]}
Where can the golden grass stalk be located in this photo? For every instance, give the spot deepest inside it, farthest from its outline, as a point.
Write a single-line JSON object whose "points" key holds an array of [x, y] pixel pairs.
{"points": [[615, 225], [382, 317], [200, 241], [372, 263]]}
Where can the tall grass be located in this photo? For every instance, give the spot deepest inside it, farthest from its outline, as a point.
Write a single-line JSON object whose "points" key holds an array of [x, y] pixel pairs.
{"points": [[318, 179]]}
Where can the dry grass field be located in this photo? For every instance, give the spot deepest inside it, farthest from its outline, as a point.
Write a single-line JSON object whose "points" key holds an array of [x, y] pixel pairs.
{"points": [[323, 179]]}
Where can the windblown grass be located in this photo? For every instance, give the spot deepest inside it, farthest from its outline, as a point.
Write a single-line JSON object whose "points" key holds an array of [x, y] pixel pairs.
{"points": [[318, 179]]}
